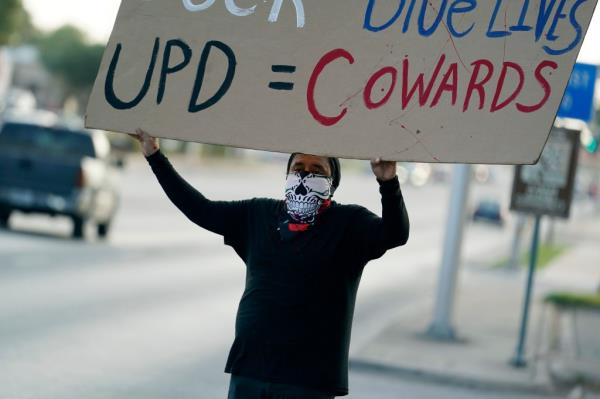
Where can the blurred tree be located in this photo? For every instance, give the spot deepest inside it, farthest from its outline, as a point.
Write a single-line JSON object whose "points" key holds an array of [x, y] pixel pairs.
{"points": [[67, 55], [12, 18]]}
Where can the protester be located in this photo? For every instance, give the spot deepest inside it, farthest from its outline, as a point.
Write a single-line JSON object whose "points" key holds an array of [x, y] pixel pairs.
{"points": [[304, 258]]}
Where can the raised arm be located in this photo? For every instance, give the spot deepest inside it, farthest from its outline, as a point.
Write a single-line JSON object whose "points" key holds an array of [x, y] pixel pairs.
{"points": [[222, 217], [373, 235], [395, 225]]}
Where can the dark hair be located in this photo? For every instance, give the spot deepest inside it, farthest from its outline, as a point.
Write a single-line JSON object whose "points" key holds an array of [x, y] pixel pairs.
{"points": [[334, 163]]}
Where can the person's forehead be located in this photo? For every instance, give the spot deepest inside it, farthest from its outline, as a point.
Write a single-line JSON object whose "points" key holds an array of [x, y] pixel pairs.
{"points": [[308, 158]]}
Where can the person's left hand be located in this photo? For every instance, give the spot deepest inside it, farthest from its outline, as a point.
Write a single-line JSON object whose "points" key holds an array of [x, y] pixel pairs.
{"points": [[383, 170]]}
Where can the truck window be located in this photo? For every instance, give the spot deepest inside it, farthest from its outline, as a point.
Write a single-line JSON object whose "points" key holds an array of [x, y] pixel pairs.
{"points": [[30, 138]]}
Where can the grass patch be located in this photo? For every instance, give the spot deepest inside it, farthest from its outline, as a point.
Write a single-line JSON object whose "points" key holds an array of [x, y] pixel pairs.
{"points": [[546, 254], [569, 299]]}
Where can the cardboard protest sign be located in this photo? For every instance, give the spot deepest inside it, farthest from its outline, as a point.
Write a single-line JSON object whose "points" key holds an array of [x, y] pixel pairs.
{"points": [[414, 80]]}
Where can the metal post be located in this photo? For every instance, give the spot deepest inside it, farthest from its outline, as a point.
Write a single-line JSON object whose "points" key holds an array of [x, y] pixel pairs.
{"points": [[519, 358], [441, 326], [515, 253]]}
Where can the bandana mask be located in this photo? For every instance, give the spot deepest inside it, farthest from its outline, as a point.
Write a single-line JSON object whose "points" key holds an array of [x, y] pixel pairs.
{"points": [[305, 193]]}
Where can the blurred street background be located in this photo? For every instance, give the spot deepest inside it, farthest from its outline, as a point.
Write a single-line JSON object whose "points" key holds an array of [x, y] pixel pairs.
{"points": [[107, 291]]}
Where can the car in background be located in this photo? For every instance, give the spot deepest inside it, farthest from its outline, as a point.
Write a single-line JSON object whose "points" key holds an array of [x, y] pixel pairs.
{"points": [[50, 169], [489, 210]]}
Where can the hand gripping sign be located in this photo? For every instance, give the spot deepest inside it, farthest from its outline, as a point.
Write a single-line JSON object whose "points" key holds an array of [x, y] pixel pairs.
{"points": [[473, 81]]}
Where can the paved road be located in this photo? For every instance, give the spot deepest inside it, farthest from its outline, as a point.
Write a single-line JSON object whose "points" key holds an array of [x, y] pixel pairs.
{"points": [[150, 313]]}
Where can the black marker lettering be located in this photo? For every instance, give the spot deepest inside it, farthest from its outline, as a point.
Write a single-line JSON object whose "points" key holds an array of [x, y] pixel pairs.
{"points": [[166, 69], [109, 90], [194, 107]]}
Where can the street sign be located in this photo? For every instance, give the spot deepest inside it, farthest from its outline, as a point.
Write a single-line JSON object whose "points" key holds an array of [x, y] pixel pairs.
{"points": [[578, 101], [546, 188], [459, 81]]}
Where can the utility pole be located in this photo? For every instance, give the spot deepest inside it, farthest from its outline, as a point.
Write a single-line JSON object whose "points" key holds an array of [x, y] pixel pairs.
{"points": [[515, 253], [441, 326]]}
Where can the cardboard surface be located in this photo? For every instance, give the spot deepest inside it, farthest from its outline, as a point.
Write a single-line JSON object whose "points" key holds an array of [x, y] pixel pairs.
{"points": [[412, 80]]}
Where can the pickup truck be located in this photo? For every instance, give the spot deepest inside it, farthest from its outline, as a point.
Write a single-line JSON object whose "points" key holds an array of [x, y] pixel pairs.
{"points": [[49, 169]]}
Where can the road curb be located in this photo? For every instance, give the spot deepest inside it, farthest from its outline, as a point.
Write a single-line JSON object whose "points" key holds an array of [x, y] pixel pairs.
{"points": [[363, 365]]}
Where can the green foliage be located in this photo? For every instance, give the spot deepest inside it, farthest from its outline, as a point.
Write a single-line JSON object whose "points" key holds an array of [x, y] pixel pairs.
{"points": [[67, 55], [570, 299], [12, 18]]}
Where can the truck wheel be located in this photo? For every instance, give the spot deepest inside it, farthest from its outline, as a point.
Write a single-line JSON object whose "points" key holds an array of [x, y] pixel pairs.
{"points": [[78, 227], [103, 229], [4, 215]]}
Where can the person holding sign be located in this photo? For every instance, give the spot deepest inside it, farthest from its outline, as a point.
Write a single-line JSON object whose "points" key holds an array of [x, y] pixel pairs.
{"points": [[304, 256]]}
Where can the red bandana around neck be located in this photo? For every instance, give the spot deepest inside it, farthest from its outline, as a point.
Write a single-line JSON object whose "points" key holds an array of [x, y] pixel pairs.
{"points": [[300, 227]]}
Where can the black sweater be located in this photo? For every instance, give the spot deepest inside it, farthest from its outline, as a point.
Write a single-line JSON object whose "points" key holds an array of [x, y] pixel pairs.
{"points": [[294, 319]]}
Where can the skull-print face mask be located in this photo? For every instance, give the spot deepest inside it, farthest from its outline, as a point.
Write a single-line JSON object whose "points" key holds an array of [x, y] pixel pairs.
{"points": [[305, 193]]}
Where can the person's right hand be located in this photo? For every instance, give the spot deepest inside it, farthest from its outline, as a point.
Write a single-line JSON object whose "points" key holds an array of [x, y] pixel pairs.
{"points": [[149, 144]]}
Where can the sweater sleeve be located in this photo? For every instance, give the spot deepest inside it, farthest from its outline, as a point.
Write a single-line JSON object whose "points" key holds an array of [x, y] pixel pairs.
{"points": [[221, 217], [372, 235]]}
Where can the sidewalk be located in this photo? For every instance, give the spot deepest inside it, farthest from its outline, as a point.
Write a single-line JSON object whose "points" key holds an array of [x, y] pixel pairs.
{"points": [[487, 316]]}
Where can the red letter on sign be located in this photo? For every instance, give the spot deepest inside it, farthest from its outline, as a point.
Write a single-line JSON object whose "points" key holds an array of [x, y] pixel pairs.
{"points": [[478, 85], [545, 85], [515, 67], [449, 83], [312, 83], [393, 72]]}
